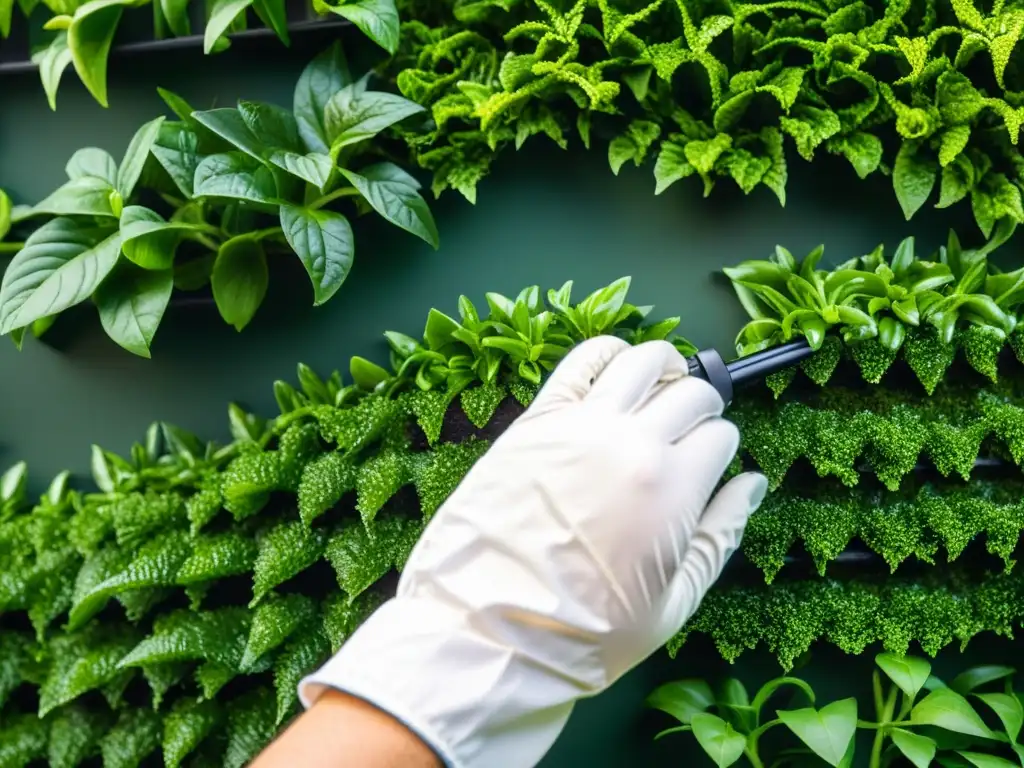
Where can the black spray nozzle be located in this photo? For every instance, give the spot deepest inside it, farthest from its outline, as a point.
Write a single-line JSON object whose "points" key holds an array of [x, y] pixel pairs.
{"points": [[724, 377]]}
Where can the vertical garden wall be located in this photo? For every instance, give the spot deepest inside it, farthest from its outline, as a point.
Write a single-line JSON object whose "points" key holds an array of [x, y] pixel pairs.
{"points": [[863, 117]]}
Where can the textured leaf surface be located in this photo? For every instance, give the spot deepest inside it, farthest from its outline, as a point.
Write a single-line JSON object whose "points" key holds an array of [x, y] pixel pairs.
{"points": [[443, 470], [251, 725], [188, 635], [379, 479], [185, 727], [216, 556], [300, 657], [273, 622], [84, 661], [285, 551], [324, 481], [75, 732], [135, 736]]}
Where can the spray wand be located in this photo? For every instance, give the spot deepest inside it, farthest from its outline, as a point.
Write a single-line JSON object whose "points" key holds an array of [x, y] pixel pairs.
{"points": [[725, 377]]}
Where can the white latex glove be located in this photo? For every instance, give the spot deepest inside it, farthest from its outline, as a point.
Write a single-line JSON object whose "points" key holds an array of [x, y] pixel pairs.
{"points": [[576, 547]]}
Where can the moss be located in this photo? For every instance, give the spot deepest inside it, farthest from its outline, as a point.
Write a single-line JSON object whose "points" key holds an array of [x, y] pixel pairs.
{"points": [[820, 366], [928, 357], [779, 381], [874, 359], [981, 347], [480, 403]]}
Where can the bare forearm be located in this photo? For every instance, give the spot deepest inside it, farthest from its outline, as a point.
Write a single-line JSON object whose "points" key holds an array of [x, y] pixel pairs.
{"points": [[341, 730]]}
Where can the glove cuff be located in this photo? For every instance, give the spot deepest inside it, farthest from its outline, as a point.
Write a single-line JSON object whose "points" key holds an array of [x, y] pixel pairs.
{"points": [[475, 702]]}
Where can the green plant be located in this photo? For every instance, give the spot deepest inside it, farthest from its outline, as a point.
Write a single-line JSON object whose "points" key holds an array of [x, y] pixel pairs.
{"points": [[716, 90], [235, 184], [203, 573], [909, 523], [942, 606], [82, 33], [974, 720], [836, 427]]}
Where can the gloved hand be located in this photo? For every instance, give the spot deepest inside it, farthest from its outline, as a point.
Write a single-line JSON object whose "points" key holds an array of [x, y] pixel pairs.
{"points": [[576, 547]]}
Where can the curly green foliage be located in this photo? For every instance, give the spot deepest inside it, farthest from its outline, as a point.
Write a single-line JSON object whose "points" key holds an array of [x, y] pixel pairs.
{"points": [[896, 526], [835, 428], [712, 91], [788, 618]]}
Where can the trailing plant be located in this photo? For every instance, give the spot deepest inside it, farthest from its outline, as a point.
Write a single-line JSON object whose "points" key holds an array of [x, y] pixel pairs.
{"points": [[83, 32], [716, 90], [897, 526], [890, 430], [974, 720], [228, 187], [202, 573], [943, 606], [923, 309]]}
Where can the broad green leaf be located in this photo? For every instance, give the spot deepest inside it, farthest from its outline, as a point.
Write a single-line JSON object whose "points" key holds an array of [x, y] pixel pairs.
{"points": [[718, 738], [61, 265], [235, 175], [177, 150], [130, 170], [981, 760], [1009, 710], [131, 303], [671, 166], [682, 699], [913, 178], [352, 117], [385, 187], [918, 749], [324, 243], [89, 38], [83, 196], [274, 15], [378, 19], [327, 74], [52, 61], [222, 15], [23, 739], [239, 280], [909, 673], [176, 15], [90, 161], [148, 240], [947, 709], [863, 150], [975, 677], [827, 731]]}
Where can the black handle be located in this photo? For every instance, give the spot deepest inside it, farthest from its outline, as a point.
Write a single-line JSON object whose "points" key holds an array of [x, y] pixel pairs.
{"points": [[709, 365]]}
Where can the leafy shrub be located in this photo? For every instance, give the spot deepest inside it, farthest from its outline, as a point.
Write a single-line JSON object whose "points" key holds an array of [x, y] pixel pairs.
{"points": [[916, 716], [925, 310], [179, 605], [236, 184], [83, 32], [710, 90]]}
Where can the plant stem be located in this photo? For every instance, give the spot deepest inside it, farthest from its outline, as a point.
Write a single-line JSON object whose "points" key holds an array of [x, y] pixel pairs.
{"points": [[751, 752], [10, 247], [884, 719], [332, 196]]}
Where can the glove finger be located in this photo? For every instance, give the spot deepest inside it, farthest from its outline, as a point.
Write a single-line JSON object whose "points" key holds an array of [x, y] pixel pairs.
{"points": [[702, 458], [713, 542], [573, 378], [631, 377], [678, 407]]}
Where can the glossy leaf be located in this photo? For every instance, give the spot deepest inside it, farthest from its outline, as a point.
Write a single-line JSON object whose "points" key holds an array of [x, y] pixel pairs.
{"points": [[947, 709], [324, 243], [378, 20], [682, 699], [327, 74], [351, 117], [718, 738], [239, 280], [89, 39], [918, 749], [387, 188], [131, 303], [909, 673], [827, 731]]}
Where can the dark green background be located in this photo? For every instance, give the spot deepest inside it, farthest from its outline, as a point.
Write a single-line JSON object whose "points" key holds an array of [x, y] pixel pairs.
{"points": [[543, 217]]}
